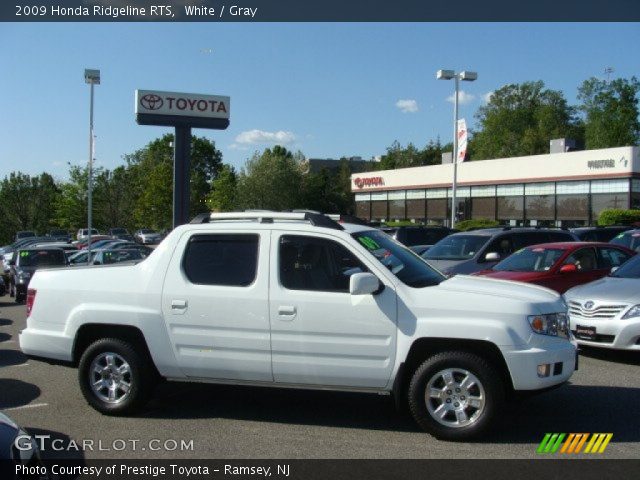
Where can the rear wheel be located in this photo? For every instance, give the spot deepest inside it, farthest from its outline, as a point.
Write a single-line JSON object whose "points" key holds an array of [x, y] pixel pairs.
{"points": [[455, 395], [116, 378]]}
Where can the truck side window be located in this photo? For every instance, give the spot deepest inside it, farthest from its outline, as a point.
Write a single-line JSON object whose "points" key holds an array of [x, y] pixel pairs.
{"points": [[316, 264], [222, 259]]}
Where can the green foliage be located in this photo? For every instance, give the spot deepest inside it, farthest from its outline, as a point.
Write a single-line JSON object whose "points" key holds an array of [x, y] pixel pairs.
{"points": [[611, 110], [271, 180], [616, 216], [466, 225], [224, 191], [398, 156], [521, 119]]}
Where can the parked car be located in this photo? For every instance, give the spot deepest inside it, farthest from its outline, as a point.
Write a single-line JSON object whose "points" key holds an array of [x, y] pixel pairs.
{"points": [[303, 301], [105, 242], [420, 249], [19, 452], [83, 233], [24, 234], [560, 266], [121, 234], [80, 257], [143, 249], [109, 257], [599, 234], [606, 313], [94, 239], [60, 235], [67, 247], [146, 236], [418, 235], [25, 264], [629, 239], [469, 252]]}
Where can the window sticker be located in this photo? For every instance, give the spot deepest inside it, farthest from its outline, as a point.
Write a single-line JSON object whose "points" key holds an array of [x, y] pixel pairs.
{"points": [[369, 243]]}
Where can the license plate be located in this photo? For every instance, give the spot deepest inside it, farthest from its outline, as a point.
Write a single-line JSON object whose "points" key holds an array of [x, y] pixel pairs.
{"points": [[585, 333]]}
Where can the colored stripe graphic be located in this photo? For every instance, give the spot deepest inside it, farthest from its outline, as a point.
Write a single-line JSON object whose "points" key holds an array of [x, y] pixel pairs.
{"points": [[574, 443]]}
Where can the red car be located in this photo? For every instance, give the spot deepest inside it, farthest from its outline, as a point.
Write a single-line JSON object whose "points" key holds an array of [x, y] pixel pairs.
{"points": [[560, 266]]}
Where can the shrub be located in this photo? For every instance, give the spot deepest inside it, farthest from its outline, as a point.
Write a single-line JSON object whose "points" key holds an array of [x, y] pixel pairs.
{"points": [[466, 225], [617, 216]]}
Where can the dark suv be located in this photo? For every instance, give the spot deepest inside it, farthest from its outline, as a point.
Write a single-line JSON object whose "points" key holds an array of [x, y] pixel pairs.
{"points": [[629, 239], [25, 264], [599, 234], [469, 252], [418, 235]]}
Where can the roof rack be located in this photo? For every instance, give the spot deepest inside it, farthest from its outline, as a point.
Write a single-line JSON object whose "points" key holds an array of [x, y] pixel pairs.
{"points": [[268, 216]]}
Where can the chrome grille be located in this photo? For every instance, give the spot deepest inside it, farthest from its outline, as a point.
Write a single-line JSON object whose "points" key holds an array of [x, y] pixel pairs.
{"points": [[601, 311]]}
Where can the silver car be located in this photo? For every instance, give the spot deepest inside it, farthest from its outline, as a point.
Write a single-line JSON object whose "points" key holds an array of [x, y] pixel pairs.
{"points": [[606, 313]]}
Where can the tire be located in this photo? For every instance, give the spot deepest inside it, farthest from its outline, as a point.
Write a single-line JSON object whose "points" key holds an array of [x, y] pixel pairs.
{"points": [[128, 377], [465, 410]]}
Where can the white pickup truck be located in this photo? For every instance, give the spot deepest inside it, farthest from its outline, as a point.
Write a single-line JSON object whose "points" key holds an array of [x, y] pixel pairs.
{"points": [[297, 300]]}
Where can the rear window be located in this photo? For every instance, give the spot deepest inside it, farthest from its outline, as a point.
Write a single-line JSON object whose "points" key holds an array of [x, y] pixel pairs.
{"points": [[225, 259], [41, 258]]}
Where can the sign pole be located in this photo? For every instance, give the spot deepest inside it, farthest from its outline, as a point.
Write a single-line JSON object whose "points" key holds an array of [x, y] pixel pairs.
{"points": [[181, 177]]}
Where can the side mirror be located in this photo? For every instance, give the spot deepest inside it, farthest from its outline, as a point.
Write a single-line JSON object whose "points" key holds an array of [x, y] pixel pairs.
{"points": [[363, 284], [568, 268], [492, 257], [613, 269]]}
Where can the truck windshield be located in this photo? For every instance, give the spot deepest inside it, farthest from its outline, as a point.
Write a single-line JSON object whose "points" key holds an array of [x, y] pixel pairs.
{"points": [[403, 263], [41, 258]]}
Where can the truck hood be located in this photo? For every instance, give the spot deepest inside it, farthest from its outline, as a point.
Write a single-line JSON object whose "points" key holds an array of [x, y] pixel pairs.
{"points": [[608, 289], [506, 275], [503, 289]]}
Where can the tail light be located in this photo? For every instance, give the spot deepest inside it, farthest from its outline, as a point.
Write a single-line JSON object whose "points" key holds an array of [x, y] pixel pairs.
{"points": [[31, 298]]}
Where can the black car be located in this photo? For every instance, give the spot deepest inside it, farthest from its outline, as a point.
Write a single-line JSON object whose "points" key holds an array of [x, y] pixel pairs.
{"points": [[60, 235], [26, 262], [19, 450], [599, 234], [121, 234], [418, 235]]}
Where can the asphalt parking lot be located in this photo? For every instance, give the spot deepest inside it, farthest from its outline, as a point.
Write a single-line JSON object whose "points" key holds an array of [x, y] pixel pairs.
{"points": [[242, 422]]}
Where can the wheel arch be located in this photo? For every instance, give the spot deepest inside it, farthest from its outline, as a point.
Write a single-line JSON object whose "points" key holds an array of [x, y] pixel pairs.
{"points": [[423, 348]]}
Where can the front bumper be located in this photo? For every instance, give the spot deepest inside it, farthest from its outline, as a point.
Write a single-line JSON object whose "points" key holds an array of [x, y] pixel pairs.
{"points": [[611, 333], [561, 356]]}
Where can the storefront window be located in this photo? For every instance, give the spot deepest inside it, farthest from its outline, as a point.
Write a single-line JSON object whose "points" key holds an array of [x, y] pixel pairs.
{"points": [[396, 210], [416, 210], [379, 210], [573, 208], [603, 201], [511, 210], [540, 207], [363, 210], [483, 208], [437, 209]]}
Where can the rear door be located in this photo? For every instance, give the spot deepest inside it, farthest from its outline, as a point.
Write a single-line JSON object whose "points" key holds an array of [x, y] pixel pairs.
{"points": [[322, 335], [215, 304]]}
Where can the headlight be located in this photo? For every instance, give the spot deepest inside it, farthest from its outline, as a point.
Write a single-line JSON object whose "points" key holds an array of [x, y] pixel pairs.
{"points": [[556, 324], [633, 312]]}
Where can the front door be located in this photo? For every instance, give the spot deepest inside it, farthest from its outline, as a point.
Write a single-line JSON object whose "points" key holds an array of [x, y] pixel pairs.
{"points": [[215, 304], [320, 334]]}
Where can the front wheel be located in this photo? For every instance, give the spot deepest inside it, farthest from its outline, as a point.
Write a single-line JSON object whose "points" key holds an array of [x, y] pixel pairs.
{"points": [[116, 378], [455, 395]]}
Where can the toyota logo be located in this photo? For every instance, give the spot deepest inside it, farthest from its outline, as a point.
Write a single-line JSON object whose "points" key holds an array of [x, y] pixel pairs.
{"points": [[151, 102], [588, 305]]}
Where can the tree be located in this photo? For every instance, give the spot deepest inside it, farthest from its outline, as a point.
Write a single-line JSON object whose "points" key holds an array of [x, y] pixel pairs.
{"points": [[611, 112], [271, 180], [398, 156], [224, 191], [521, 119]]}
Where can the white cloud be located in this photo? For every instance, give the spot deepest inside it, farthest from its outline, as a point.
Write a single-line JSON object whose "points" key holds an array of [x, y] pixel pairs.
{"points": [[487, 97], [254, 137], [407, 106], [463, 98]]}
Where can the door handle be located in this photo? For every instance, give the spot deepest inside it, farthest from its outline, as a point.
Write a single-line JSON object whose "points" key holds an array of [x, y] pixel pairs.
{"points": [[287, 312], [178, 305]]}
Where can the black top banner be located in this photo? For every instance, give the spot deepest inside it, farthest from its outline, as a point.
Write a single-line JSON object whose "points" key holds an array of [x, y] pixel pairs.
{"points": [[320, 11]]}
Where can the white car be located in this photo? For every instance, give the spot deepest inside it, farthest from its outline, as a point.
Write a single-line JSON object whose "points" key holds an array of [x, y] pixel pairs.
{"points": [[606, 313], [298, 300], [83, 233]]}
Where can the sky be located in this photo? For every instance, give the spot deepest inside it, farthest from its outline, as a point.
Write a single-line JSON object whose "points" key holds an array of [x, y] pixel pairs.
{"points": [[326, 89]]}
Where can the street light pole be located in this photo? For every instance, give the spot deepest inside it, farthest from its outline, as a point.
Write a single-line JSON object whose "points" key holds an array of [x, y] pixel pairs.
{"points": [[92, 77], [468, 77]]}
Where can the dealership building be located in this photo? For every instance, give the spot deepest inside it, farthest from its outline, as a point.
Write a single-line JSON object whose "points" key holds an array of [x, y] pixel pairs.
{"points": [[557, 189]]}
